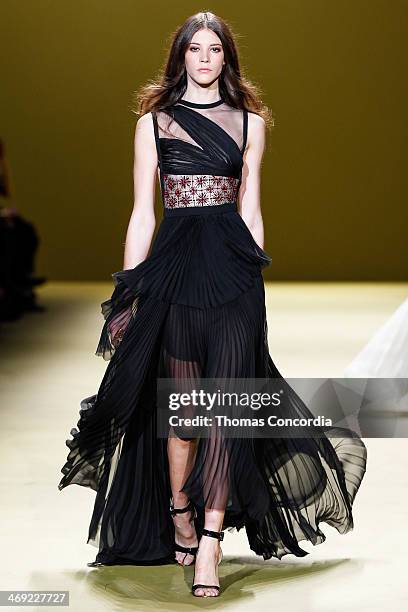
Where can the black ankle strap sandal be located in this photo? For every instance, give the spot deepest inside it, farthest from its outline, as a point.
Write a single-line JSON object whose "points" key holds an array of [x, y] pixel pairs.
{"points": [[188, 550], [212, 534], [189, 506]]}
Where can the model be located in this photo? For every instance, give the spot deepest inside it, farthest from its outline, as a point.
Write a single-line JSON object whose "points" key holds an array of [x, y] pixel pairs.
{"points": [[194, 308]]}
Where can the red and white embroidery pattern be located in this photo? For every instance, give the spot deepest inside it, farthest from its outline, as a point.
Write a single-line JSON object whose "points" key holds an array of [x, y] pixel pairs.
{"points": [[182, 190]]}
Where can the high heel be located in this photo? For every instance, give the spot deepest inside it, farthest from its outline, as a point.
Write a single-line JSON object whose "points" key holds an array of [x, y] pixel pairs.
{"points": [[188, 550], [220, 536]]}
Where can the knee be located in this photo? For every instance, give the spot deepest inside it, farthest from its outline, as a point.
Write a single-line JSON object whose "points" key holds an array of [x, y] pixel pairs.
{"points": [[182, 436]]}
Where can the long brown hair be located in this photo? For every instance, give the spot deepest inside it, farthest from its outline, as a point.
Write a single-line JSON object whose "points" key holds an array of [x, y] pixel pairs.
{"points": [[169, 87]]}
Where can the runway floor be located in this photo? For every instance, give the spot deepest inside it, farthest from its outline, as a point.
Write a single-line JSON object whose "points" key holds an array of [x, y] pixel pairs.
{"points": [[48, 365]]}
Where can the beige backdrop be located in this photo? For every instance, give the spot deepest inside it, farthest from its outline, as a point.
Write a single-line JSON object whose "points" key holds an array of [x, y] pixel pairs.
{"points": [[334, 193]]}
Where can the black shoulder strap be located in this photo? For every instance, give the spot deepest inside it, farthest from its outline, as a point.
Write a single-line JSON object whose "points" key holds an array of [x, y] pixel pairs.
{"points": [[156, 135], [157, 141], [244, 129]]}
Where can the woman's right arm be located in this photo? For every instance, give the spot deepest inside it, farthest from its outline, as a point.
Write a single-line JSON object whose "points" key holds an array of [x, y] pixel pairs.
{"points": [[142, 221]]}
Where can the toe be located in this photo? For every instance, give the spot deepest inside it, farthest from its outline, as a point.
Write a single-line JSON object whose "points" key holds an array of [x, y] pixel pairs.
{"points": [[184, 558], [180, 557]]}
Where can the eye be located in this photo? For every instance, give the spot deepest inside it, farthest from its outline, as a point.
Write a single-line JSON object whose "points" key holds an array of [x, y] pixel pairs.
{"points": [[216, 49]]}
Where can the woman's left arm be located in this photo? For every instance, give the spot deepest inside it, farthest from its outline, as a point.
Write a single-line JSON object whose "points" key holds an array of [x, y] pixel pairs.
{"points": [[249, 199]]}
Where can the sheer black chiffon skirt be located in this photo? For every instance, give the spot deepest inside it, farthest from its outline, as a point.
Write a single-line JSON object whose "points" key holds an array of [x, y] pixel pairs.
{"points": [[196, 308]]}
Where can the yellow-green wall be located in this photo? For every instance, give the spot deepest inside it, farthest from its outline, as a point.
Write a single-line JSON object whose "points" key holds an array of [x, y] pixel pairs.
{"points": [[334, 72]]}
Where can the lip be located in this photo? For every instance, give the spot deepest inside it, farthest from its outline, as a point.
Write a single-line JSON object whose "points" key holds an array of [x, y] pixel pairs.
{"points": [[204, 70]]}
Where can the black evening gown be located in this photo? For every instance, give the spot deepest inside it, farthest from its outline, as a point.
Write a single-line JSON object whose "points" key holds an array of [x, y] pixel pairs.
{"points": [[195, 307]]}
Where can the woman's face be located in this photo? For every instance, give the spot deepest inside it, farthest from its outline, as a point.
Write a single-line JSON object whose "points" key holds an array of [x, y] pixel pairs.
{"points": [[204, 52]]}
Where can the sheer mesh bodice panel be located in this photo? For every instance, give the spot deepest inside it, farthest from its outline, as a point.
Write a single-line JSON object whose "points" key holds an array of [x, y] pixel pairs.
{"points": [[230, 119], [200, 153]]}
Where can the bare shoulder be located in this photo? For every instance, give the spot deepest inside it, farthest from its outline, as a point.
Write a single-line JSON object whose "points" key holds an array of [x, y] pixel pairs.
{"points": [[256, 123], [145, 123], [256, 130], [144, 130]]}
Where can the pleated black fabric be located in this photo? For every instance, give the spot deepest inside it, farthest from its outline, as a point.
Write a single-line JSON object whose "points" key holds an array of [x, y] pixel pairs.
{"points": [[196, 308]]}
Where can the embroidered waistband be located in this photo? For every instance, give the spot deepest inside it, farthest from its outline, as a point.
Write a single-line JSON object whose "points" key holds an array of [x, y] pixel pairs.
{"points": [[190, 190]]}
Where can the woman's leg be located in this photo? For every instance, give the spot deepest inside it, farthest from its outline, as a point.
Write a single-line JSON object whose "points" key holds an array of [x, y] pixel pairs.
{"points": [[181, 454], [208, 555], [183, 355], [215, 489], [232, 338]]}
